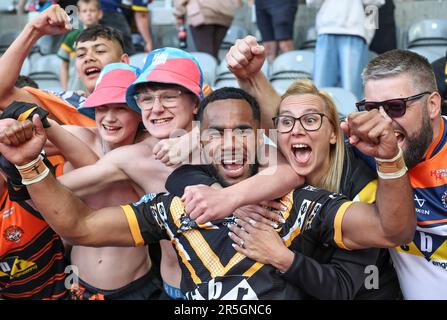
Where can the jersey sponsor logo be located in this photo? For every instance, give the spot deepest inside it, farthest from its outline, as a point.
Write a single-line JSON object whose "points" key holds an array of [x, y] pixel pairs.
{"points": [[13, 267], [311, 216], [159, 58], [310, 188], [224, 288], [438, 174], [13, 233], [8, 212], [432, 247], [146, 198], [302, 213], [419, 201], [444, 199]]}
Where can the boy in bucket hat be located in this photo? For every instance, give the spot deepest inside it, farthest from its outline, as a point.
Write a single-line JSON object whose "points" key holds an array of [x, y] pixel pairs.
{"points": [[167, 93], [116, 125]]}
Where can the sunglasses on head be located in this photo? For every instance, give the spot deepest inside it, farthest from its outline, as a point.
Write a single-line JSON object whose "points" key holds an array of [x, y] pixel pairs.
{"points": [[395, 108]]}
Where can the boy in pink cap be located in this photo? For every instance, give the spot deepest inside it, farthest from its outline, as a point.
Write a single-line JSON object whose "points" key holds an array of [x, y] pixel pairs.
{"points": [[171, 81]]}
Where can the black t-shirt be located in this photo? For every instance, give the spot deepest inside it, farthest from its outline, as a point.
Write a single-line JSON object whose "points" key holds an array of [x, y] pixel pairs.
{"points": [[211, 268]]}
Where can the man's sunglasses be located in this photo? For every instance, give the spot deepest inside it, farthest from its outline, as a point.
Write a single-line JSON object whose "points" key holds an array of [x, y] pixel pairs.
{"points": [[395, 108]]}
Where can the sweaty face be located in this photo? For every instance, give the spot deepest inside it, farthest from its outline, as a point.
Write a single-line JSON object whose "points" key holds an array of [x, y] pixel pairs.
{"points": [[414, 129], [92, 56], [163, 121], [117, 124], [89, 14], [306, 151], [229, 140]]}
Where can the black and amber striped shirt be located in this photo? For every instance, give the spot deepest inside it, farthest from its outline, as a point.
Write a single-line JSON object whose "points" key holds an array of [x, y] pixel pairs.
{"points": [[211, 268], [32, 261]]}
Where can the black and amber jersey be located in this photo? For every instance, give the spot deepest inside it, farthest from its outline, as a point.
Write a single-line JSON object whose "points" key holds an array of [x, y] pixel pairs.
{"points": [[32, 262], [211, 268]]}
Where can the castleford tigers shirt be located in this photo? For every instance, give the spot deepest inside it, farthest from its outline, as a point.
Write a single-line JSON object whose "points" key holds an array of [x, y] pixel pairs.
{"points": [[422, 265], [32, 262], [211, 268]]}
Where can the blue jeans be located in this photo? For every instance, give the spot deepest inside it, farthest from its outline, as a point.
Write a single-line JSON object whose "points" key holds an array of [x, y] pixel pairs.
{"points": [[339, 61]]}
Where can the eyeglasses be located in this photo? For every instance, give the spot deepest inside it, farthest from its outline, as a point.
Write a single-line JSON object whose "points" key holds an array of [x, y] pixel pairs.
{"points": [[395, 108], [168, 99], [309, 121]]}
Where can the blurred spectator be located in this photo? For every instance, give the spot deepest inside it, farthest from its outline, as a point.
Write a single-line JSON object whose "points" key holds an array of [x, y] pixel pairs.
{"points": [[114, 17], [341, 51], [33, 5], [385, 36], [275, 20], [209, 21], [440, 69], [89, 14]]}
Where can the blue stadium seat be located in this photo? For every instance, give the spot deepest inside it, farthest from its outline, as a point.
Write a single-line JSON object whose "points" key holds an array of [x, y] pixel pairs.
{"points": [[344, 100], [208, 64], [25, 67], [138, 59], [311, 39], [46, 80], [281, 85], [48, 63], [48, 44], [292, 64], [428, 32], [7, 6], [234, 32], [432, 53]]}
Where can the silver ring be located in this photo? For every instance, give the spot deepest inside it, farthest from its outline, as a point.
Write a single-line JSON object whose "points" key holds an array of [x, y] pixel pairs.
{"points": [[242, 244]]}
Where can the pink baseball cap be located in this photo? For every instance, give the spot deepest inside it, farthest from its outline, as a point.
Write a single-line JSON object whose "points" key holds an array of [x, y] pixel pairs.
{"points": [[111, 86]]}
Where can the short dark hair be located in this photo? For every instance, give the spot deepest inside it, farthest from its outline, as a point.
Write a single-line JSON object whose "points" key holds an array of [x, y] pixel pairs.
{"points": [[100, 31], [398, 62], [230, 93], [25, 81]]}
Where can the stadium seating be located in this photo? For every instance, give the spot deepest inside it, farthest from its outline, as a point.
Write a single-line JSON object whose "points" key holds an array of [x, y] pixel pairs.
{"points": [[208, 64], [432, 53], [428, 32], [234, 32], [311, 39], [7, 6], [48, 44], [428, 38], [6, 39], [344, 100], [138, 59], [45, 70], [25, 67], [292, 64]]}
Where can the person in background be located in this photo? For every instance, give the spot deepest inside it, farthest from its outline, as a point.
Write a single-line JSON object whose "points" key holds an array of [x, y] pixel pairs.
{"points": [[275, 20], [341, 51], [209, 21], [114, 17], [89, 14], [385, 36]]}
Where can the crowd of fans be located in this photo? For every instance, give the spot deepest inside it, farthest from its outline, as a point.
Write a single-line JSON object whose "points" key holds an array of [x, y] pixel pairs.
{"points": [[119, 184]]}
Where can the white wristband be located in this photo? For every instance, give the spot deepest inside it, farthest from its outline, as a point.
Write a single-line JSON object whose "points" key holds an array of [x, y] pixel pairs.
{"points": [[394, 175]]}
